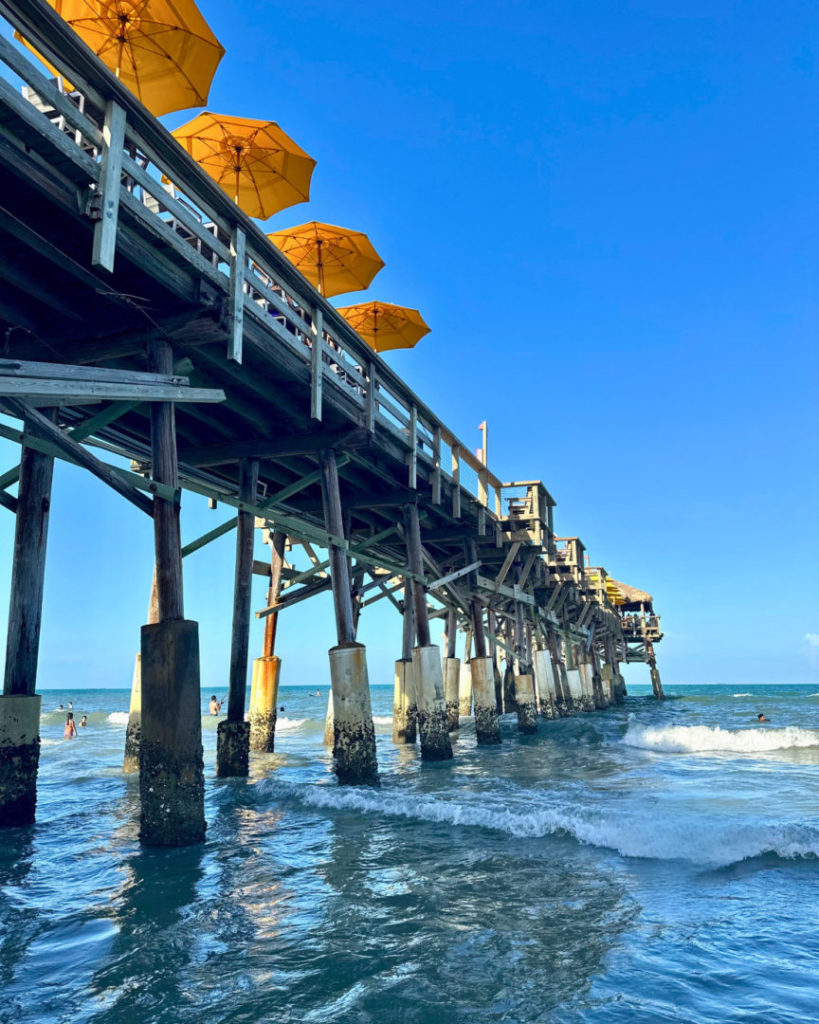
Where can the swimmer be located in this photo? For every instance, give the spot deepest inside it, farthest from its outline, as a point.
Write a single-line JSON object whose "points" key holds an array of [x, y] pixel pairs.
{"points": [[761, 718], [84, 721], [215, 705], [70, 730], [281, 708], [60, 707], [70, 705]]}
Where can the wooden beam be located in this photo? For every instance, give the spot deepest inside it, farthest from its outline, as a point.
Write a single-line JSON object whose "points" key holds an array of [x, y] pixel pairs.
{"points": [[39, 424], [317, 366], [243, 579], [269, 447], [28, 573], [339, 568], [507, 565], [108, 188], [236, 310], [278, 540], [452, 576], [167, 540], [412, 536], [8, 501], [66, 392]]}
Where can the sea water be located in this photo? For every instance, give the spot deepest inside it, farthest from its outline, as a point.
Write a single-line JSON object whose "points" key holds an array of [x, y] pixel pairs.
{"points": [[654, 862]]}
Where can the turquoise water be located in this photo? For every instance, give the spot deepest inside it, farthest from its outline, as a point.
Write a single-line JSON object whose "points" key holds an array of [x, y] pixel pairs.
{"points": [[648, 863]]}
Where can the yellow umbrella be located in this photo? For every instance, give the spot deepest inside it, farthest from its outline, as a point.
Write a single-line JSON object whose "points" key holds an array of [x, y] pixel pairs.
{"points": [[385, 326], [334, 259], [260, 168], [163, 50]]}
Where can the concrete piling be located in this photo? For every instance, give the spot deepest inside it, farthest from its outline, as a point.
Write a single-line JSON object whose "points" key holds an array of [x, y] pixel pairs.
{"points": [[171, 770], [525, 700], [19, 757], [404, 706], [452, 677], [264, 699], [465, 689], [487, 726], [133, 731], [432, 717], [353, 732], [544, 679]]}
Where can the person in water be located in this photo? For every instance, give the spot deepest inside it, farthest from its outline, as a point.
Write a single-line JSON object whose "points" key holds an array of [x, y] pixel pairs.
{"points": [[84, 721], [761, 718], [70, 730], [281, 708], [215, 705]]}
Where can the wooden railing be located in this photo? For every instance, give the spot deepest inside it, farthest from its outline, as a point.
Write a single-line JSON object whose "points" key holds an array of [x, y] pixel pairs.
{"points": [[135, 172]]}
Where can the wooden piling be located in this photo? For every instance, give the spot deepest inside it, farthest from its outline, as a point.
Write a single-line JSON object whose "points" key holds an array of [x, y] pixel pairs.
{"points": [[19, 705], [264, 689], [354, 754], [171, 769], [233, 734]]}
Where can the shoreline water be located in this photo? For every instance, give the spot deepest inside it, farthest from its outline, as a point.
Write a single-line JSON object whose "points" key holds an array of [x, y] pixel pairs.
{"points": [[605, 870]]}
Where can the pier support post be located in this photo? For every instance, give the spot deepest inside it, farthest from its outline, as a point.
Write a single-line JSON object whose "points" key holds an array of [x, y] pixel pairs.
{"points": [[586, 688], [487, 726], [573, 678], [563, 697], [233, 734], [491, 620], [599, 697], [656, 682], [405, 702], [19, 705], [465, 688], [544, 678], [452, 673], [452, 693], [354, 753], [266, 674], [426, 658], [618, 684], [171, 769], [133, 731], [509, 703], [525, 699]]}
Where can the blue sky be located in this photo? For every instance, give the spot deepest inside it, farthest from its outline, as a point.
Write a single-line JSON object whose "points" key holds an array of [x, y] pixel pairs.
{"points": [[606, 213]]}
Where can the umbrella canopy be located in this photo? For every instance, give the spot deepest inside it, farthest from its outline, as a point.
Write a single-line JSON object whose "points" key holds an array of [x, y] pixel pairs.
{"points": [[385, 326], [335, 259], [162, 50], [260, 168]]}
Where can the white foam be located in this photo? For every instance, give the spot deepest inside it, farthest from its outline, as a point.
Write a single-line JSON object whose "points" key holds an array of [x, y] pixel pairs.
{"points": [[290, 723], [118, 718], [382, 719], [701, 738], [631, 836], [740, 694]]}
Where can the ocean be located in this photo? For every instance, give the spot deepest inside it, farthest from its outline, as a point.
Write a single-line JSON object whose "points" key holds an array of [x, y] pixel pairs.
{"points": [[649, 863]]}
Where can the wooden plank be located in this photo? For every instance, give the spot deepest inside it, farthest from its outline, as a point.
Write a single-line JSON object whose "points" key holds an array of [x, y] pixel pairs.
{"points": [[317, 367], [278, 540], [8, 501], [28, 572], [236, 311], [412, 482], [301, 594], [68, 392], [436, 465], [84, 372], [108, 189], [339, 568], [450, 577], [167, 539], [371, 406], [511, 555], [211, 535], [243, 580], [40, 425], [527, 567], [456, 482]]}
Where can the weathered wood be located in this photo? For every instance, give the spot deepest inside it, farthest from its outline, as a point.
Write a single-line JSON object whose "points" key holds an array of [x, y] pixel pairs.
{"points": [[8, 501], [412, 536], [28, 573], [456, 482], [236, 311], [451, 632], [436, 465], [317, 367], [277, 544], [108, 189], [167, 541], [475, 605], [339, 569], [452, 576], [273, 447], [243, 579], [412, 482], [36, 423], [75, 392]]}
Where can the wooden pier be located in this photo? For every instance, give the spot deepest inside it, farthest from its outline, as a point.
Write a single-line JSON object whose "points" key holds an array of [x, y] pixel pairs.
{"points": [[146, 316]]}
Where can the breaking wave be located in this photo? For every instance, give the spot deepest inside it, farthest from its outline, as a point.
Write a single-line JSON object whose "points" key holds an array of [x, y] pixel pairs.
{"points": [[740, 694], [643, 837], [118, 718], [290, 723], [682, 739], [382, 719]]}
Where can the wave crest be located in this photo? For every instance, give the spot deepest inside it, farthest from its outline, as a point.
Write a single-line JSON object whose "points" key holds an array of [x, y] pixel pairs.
{"points": [[118, 718], [630, 837], [683, 739]]}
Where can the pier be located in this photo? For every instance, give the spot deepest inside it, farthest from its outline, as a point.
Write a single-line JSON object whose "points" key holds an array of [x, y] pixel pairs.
{"points": [[146, 317]]}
